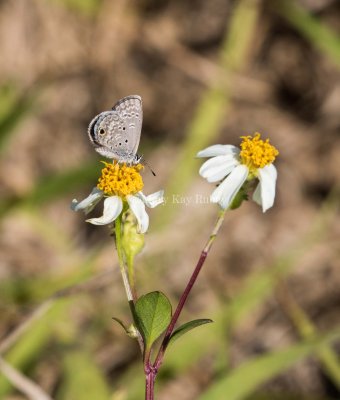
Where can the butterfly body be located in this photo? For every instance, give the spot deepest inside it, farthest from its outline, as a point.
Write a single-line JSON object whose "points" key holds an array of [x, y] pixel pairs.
{"points": [[116, 134]]}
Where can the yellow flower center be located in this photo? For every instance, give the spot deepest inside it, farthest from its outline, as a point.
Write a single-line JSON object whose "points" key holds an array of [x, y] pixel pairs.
{"points": [[120, 179], [256, 153]]}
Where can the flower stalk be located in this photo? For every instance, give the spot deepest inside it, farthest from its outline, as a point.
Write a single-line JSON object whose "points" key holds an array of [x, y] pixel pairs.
{"points": [[128, 289], [120, 253], [152, 372], [150, 369], [150, 378]]}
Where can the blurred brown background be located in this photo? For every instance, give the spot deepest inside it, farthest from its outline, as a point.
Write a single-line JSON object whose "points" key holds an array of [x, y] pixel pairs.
{"points": [[208, 72]]}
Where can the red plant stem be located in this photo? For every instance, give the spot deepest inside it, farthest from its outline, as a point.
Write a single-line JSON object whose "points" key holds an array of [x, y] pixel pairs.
{"points": [[186, 292], [150, 376]]}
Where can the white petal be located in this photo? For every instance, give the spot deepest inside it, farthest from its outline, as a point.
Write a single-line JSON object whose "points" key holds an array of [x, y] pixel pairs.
{"points": [[113, 206], [218, 167], [89, 203], [228, 189], [265, 191], [138, 208], [153, 199], [218, 150]]}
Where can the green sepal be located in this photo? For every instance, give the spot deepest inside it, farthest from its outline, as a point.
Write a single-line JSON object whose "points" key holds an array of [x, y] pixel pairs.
{"points": [[131, 331], [132, 241], [188, 326], [240, 197], [153, 311]]}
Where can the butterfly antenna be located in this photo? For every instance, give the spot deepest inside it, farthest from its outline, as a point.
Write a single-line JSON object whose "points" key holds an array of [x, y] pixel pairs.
{"points": [[148, 165], [142, 159], [153, 173]]}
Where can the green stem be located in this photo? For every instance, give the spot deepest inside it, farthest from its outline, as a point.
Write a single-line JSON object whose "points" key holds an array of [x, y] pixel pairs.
{"points": [[118, 231], [127, 286], [131, 276]]}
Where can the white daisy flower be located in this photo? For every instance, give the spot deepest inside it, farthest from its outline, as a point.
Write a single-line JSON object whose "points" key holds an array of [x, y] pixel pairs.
{"points": [[121, 186], [235, 166]]}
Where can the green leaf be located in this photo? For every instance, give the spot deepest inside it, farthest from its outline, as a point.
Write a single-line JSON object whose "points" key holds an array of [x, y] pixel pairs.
{"points": [[153, 311], [187, 327]]}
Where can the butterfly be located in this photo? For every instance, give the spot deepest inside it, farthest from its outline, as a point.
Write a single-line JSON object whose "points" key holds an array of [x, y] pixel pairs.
{"points": [[116, 134]]}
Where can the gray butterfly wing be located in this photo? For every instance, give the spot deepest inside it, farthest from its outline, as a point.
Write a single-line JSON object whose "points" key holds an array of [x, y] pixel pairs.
{"points": [[130, 113], [116, 134]]}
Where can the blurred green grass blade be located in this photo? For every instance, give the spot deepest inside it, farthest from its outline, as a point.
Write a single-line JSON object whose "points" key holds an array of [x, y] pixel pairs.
{"points": [[330, 362], [241, 29], [82, 378], [8, 98], [215, 103], [319, 34], [55, 186], [33, 342], [204, 128], [13, 110], [86, 7], [33, 290], [132, 383], [58, 185], [246, 378], [307, 330], [286, 394], [257, 288]]}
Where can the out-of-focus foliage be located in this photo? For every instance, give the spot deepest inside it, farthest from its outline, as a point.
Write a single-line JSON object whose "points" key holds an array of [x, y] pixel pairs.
{"points": [[86, 7]]}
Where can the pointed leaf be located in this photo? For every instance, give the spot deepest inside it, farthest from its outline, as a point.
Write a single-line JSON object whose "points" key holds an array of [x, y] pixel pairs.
{"points": [[121, 323], [153, 311], [188, 326]]}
